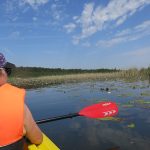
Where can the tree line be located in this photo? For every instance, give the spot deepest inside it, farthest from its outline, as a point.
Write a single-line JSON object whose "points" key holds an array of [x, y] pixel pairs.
{"points": [[39, 71]]}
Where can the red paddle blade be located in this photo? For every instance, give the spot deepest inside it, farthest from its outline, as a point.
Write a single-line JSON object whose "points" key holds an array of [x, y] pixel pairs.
{"points": [[100, 110]]}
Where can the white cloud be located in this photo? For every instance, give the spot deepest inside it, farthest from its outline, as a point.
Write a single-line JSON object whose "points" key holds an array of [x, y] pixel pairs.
{"points": [[75, 17], [23, 5], [34, 18], [56, 12], [70, 27], [112, 42], [14, 35], [86, 44], [35, 3], [96, 18], [10, 6], [143, 26], [126, 35], [75, 40], [121, 20], [14, 18], [86, 20]]}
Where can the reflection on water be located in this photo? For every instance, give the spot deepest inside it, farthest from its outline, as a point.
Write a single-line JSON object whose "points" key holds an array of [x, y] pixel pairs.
{"points": [[129, 132]]}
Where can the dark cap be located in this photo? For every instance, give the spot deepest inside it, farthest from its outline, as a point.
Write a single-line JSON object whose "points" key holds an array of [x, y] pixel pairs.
{"points": [[4, 63]]}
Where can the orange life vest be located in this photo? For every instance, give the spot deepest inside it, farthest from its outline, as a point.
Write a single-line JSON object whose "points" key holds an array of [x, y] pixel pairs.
{"points": [[11, 114]]}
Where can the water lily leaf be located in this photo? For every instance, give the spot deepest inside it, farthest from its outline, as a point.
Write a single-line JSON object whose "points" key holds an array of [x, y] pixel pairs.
{"points": [[132, 125], [142, 102], [111, 119], [127, 105], [125, 95]]}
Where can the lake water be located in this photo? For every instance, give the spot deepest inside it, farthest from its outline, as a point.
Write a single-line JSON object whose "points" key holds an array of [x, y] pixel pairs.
{"points": [[130, 130]]}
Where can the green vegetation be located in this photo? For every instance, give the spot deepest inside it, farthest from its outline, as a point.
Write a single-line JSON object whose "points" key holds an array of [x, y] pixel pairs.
{"points": [[141, 103], [132, 125], [42, 81], [111, 119], [135, 74], [34, 77], [25, 72]]}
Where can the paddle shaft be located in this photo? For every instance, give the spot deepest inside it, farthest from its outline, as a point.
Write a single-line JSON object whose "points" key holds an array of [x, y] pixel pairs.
{"points": [[57, 118]]}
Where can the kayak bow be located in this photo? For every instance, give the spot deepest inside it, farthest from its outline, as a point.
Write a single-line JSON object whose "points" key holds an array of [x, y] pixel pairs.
{"points": [[46, 144]]}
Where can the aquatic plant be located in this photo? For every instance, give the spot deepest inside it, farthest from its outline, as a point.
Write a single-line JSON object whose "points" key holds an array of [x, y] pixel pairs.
{"points": [[41, 77], [132, 125], [111, 119]]}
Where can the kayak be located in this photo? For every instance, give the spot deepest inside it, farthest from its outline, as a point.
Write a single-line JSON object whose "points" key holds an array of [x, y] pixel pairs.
{"points": [[47, 144]]}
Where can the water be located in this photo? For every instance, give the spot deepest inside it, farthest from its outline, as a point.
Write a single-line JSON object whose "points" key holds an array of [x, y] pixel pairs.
{"points": [[129, 132]]}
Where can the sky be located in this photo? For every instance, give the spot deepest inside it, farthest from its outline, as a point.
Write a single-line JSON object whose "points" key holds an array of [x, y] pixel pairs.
{"points": [[86, 34]]}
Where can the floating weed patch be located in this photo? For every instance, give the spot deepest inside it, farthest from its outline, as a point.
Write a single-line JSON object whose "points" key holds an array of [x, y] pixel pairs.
{"points": [[111, 119], [146, 107], [138, 86], [132, 102], [101, 100], [144, 86], [137, 103], [95, 100], [145, 93], [134, 86], [132, 125], [142, 102], [127, 105], [125, 95]]}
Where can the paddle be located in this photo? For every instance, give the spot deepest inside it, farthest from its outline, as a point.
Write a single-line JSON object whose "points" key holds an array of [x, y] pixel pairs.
{"points": [[100, 110]]}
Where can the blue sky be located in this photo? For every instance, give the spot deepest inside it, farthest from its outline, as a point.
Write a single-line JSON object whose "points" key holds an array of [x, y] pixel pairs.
{"points": [[87, 34]]}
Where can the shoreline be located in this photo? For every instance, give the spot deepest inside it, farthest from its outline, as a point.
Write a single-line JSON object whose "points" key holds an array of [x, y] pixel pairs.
{"points": [[45, 81]]}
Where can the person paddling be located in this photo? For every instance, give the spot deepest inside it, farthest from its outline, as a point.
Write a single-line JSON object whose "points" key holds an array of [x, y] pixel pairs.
{"points": [[16, 121]]}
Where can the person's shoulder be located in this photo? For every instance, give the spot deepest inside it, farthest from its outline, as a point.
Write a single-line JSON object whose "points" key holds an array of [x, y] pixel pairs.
{"points": [[10, 86]]}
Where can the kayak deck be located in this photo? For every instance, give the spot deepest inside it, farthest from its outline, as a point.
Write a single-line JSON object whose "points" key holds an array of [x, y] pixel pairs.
{"points": [[46, 144]]}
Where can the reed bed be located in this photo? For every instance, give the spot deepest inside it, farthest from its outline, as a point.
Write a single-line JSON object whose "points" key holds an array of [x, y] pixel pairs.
{"points": [[43, 81]]}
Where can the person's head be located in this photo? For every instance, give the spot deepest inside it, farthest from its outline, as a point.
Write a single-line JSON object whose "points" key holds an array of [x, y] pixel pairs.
{"points": [[5, 69]]}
